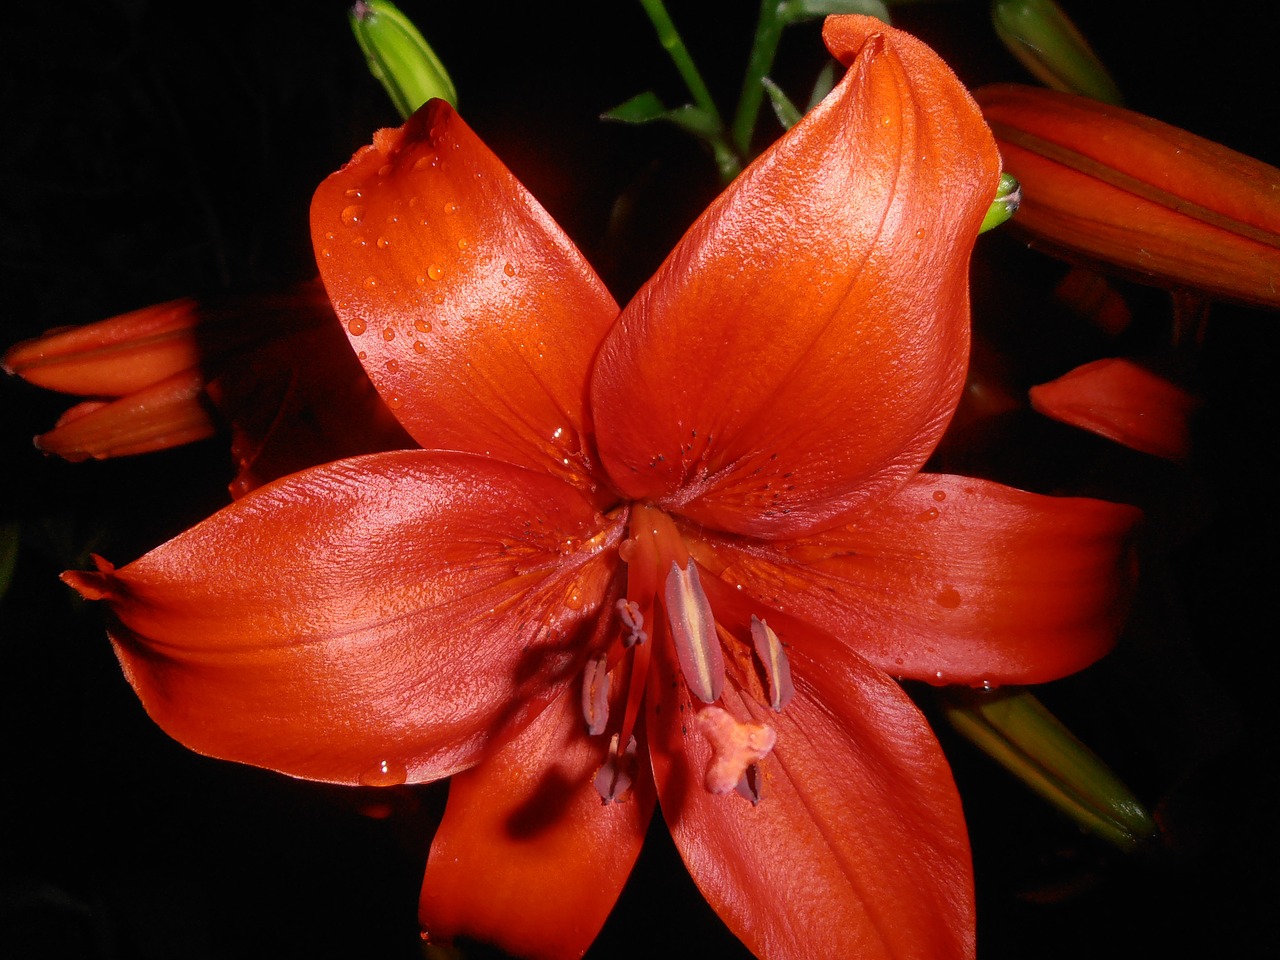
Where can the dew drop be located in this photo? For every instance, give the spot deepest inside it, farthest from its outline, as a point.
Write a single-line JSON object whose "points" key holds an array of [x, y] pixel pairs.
{"points": [[438, 299], [419, 347], [435, 271], [394, 402], [422, 162], [384, 170], [627, 550], [450, 207], [371, 283], [463, 243], [356, 326], [352, 193], [392, 366], [388, 334], [930, 514], [939, 495], [383, 243], [386, 773], [422, 326], [361, 355], [509, 270], [920, 233], [352, 215]]}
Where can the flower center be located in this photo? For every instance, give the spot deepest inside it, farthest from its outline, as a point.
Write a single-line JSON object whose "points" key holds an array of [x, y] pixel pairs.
{"points": [[667, 613]]}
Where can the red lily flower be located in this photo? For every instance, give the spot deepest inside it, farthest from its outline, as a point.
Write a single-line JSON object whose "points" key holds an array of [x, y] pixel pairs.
{"points": [[693, 531]]}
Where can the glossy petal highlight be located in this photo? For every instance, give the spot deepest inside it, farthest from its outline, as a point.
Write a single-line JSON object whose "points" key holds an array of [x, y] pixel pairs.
{"points": [[956, 580], [800, 351], [407, 609], [527, 828], [475, 317]]}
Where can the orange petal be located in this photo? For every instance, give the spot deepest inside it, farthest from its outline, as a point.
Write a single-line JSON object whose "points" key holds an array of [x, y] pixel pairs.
{"points": [[1124, 402], [802, 348], [955, 580], [1105, 184], [857, 846], [165, 414], [474, 315], [527, 857], [387, 617]]}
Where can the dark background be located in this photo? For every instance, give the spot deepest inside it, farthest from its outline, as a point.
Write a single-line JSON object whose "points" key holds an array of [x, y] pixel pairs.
{"points": [[147, 154]]}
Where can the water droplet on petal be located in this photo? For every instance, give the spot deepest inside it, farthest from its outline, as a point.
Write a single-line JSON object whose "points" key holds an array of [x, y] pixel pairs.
{"points": [[388, 334], [509, 270], [392, 366], [930, 514], [450, 207], [383, 243], [352, 215], [386, 773], [939, 495], [356, 326], [419, 347], [422, 326], [435, 271], [394, 402], [948, 597]]}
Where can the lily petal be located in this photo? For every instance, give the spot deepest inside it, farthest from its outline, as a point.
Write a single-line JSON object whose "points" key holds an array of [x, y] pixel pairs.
{"points": [[831, 278], [1122, 401], [387, 617], [475, 317], [857, 846], [956, 580], [527, 857]]}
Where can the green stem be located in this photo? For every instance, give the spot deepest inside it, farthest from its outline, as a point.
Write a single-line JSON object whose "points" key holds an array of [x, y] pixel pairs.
{"points": [[727, 161], [763, 49]]}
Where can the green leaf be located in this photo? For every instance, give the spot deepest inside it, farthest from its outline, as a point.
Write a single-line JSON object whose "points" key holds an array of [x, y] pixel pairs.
{"points": [[642, 108], [786, 111]]}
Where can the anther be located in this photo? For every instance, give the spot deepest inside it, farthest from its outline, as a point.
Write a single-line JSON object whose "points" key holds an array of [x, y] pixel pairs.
{"points": [[631, 617], [693, 629], [595, 695], [613, 779], [777, 668], [736, 747]]}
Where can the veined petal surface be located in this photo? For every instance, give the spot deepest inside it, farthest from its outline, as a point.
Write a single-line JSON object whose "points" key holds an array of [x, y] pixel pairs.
{"points": [[527, 856], [475, 317], [858, 845], [387, 617], [802, 349], [956, 580]]}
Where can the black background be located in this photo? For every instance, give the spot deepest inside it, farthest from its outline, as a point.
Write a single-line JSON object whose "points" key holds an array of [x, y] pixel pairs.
{"points": [[157, 150]]}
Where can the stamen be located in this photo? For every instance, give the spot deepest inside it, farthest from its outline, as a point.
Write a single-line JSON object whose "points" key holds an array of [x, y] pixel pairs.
{"points": [[735, 748], [631, 617], [693, 628], [777, 668], [613, 779], [595, 695], [749, 786]]}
